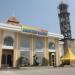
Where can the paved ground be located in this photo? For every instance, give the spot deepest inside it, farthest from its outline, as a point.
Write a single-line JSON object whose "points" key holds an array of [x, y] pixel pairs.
{"points": [[40, 71]]}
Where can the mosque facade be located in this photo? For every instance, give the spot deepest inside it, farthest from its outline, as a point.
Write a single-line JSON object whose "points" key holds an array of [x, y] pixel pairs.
{"points": [[26, 45]]}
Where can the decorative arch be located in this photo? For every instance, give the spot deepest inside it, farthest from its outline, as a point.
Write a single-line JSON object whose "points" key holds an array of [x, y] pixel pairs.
{"points": [[8, 41], [51, 45]]}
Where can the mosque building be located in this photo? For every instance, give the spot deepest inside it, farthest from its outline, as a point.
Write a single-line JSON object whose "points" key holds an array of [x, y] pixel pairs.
{"points": [[28, 45]]}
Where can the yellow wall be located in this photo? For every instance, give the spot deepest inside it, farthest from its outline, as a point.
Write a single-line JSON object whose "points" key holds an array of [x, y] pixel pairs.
{"points": [[17, 39]]}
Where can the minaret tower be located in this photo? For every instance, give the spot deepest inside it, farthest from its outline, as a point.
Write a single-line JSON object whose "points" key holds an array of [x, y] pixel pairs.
{"points": [[65, 26], [64, 20]]}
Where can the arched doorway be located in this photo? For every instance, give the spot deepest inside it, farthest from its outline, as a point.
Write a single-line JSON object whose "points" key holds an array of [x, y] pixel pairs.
{"points": [[7, 53], [52, 54], [7, 58]]}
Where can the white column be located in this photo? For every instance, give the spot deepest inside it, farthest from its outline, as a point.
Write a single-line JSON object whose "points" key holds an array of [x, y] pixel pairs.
{"points": [[16, 53], [32, 49], [1, 42], [46, 53], [57, 53]]}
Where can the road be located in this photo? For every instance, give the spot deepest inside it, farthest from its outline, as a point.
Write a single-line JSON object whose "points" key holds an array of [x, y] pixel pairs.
{"points": [[47, 71]]}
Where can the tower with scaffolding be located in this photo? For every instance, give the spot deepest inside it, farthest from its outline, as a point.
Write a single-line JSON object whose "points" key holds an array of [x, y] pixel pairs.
{"points": [[65, 28]]}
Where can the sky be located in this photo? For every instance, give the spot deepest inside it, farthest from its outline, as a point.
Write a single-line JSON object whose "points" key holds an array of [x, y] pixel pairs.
{"points": [[40, 13]]}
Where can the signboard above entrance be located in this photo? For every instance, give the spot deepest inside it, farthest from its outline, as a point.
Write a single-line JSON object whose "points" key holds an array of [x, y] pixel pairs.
{"points": [[34, 30]]}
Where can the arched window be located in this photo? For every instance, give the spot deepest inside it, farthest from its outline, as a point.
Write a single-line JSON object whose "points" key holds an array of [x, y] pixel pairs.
{"points": [[51, 45], [8, 41]]}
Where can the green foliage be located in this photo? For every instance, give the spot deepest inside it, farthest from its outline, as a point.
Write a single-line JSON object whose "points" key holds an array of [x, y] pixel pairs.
{"points": [[19, 62], [44, 62]]}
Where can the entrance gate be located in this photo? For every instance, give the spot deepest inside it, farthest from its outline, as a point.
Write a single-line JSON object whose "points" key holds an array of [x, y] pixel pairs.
{"points": [[7, 58], [52, 59]]}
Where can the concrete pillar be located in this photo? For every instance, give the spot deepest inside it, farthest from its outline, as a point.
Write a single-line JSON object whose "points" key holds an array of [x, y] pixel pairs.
{"points": [[1, 42], [32, 48], [57, 52], [46, 53], [16, 53]]}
